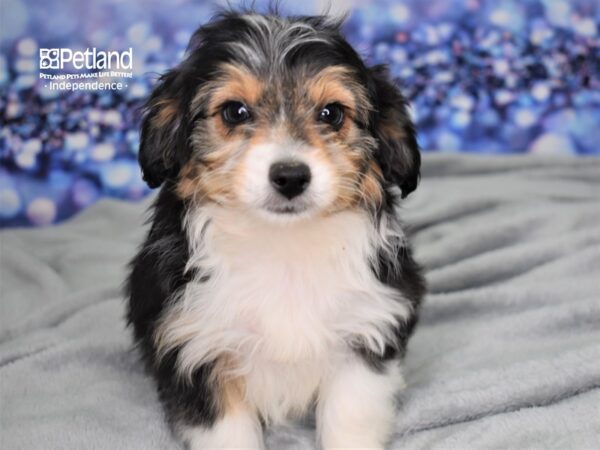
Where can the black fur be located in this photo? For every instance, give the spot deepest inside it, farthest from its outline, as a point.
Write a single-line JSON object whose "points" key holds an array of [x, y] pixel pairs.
{"points": [[158, 270], [405, 276]]}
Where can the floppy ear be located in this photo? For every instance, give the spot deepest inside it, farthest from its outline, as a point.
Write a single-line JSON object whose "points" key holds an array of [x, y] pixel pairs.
{"points": [[398, 152], [163, 138]]}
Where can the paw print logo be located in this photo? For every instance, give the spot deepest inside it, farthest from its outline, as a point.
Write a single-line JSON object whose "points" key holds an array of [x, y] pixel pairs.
{"points": [[49, 58]]}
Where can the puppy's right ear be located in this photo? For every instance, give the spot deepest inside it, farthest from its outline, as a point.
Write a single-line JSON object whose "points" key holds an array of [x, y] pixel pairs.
{"points": [[398, 153], [162, 141]]}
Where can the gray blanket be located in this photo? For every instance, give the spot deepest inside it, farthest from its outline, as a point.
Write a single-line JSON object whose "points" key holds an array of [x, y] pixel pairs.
{"points": [[507, 354]]}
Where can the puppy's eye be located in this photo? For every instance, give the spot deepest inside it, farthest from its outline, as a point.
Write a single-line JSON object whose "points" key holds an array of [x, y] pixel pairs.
{"points": [[235, 113], [332, 114]]}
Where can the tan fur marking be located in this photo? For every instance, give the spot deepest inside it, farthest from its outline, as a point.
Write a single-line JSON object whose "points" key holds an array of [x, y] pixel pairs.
{"points": [[330, 86], [188, 180], [209, 181], [370, 190], [167, 109], [230, 387], [237, 84]]}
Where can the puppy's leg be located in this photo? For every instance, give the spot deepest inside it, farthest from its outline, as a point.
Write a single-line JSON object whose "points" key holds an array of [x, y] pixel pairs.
{"points": [[209, 411], [356, 406]]}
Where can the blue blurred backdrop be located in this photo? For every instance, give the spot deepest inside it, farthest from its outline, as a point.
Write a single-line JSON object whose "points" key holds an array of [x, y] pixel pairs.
{"points": [[483, 76]]}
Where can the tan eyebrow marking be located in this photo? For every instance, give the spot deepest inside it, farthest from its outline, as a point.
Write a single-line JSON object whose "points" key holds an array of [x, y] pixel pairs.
{"points": [[232, 83]]}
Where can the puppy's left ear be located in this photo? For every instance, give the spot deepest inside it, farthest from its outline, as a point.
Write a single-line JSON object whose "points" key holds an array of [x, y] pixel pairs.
{"points": [[398, 152], [163, 143]]}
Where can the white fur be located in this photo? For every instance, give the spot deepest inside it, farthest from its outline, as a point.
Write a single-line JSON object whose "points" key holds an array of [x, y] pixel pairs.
{"points": [[283, 301]]}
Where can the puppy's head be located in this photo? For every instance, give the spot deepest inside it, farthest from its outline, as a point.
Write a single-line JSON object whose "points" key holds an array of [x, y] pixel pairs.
{"points": [[278, 117]]}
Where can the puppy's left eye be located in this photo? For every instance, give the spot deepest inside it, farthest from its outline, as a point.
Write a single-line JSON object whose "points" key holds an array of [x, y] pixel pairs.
{"points": [[332, 114]]}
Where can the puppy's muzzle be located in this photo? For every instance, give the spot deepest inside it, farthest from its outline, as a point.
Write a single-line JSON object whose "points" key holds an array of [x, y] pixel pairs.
{"points": [[289, 178]]}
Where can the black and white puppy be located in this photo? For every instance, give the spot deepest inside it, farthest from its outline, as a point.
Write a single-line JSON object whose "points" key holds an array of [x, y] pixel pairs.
{"points": [[276, 276]]}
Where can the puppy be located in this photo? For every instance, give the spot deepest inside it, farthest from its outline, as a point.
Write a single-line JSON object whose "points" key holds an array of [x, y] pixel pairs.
{"points": [[276, 278]]}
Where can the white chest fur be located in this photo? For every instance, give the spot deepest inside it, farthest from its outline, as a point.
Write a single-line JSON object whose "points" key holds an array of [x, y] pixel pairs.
{"points": [[282, 301]]}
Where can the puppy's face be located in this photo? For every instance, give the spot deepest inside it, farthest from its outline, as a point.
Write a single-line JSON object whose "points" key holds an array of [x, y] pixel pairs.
{"points": [[284, 145], [280, 119]]}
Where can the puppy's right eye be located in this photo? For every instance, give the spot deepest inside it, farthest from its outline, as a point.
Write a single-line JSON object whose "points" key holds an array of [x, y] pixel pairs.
{"points": [[234, 113], [333, 114]]}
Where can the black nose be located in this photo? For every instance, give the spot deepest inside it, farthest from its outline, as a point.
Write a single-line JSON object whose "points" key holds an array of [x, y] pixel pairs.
{"points": [[290, 178]]}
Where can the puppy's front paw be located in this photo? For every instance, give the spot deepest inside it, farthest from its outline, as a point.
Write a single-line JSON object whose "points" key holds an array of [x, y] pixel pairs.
{"points": [[232, 432], [338, 441]]}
